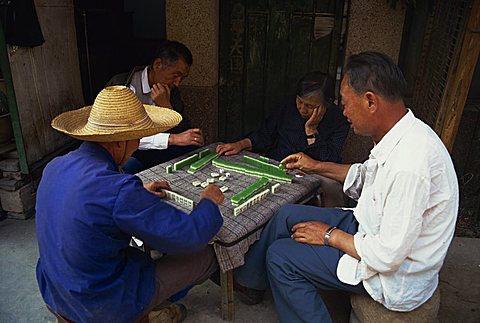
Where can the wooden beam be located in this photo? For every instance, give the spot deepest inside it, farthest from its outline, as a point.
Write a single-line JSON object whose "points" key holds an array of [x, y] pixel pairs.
{"points": [[12, 103], [461, 73], [226, 283]]}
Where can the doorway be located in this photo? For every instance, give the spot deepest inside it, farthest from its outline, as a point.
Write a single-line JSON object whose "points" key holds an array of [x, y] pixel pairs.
{"points": [[114, 36]]}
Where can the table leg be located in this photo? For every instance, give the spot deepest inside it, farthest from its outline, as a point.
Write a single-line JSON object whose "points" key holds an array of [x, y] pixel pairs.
{"points": [[226, 283]]}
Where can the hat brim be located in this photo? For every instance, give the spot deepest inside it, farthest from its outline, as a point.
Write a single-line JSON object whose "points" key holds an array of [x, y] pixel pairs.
{"points": [[74, 124]]}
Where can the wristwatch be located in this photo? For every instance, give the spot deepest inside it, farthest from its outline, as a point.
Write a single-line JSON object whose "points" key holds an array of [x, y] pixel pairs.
{"points": [[327, 235], [312, 136]]}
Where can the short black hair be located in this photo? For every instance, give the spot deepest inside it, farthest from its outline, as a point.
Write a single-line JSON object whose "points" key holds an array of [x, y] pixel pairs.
{"points": [[317, 83], [376, 72], [171, 51]]}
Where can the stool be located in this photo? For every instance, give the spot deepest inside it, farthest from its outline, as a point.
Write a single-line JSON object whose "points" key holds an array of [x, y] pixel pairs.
{"points": [[366, 310], [60, 319]]}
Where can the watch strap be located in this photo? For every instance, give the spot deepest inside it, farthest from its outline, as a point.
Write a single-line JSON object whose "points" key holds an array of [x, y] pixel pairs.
{"points": [[328, 234]]}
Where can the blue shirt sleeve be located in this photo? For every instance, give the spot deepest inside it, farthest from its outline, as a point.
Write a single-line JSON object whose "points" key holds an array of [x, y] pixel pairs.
{"points": [[162, 226]]}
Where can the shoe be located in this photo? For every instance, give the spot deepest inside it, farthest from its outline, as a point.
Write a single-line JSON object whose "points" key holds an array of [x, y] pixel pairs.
{"points": [[173, 313], [246, 295]]}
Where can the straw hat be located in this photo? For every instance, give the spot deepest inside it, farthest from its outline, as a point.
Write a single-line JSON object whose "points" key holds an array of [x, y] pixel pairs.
{"points": [[116, 115]]}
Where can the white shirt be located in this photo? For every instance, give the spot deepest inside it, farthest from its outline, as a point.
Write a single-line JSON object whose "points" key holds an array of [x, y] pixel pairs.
{"points": [[160, 140], [407, 207]]}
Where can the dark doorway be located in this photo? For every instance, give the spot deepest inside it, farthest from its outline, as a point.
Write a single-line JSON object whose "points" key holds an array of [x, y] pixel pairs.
{"points": [[114, 36]]}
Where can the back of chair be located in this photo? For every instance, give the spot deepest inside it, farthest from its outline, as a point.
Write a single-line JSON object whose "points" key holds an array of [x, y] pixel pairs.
{"points": [[123, 78]]}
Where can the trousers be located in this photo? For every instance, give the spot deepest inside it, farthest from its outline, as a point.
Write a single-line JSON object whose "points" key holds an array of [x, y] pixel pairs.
{"points": [[178, 273], [295, 271]]}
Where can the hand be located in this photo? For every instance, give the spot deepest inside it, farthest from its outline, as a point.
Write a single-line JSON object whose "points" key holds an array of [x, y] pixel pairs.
{"points": [[234, 147], [229, 149], [317, 116], [213, 193], [300, 161], [161, 95], [188, 137], [156, 187], [309, 232]]}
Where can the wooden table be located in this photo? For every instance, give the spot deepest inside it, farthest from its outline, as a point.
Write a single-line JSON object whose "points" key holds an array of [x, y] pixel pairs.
{"points": [[238, 232]]}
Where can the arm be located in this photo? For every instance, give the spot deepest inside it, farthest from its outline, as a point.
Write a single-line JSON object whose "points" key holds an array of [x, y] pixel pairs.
{"points": [[303, 162], [402, 210], [139, 213], [180, 135], [234, 148], [314, 233], [187, 137], [158, 141], [329, 146]]}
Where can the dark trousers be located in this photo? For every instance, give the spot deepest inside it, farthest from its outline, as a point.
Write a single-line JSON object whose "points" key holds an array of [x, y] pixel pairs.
{"points": [[293, 270], [174, 273]]}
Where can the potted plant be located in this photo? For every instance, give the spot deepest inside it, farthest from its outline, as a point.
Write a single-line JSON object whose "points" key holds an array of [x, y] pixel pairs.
{"points": [[6, 131]]}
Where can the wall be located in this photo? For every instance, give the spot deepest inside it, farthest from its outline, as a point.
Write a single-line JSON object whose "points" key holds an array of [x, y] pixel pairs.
{"points": [[372, 25], [46, 79], [195, 23]]}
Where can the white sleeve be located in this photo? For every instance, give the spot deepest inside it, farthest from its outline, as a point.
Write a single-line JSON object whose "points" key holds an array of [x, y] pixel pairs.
{"points": [[353, 184], [158, 141], [352, 271]]}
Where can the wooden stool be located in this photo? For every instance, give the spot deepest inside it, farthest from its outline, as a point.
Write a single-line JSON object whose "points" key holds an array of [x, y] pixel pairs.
{"points": [[366, 310], [60, 319]]}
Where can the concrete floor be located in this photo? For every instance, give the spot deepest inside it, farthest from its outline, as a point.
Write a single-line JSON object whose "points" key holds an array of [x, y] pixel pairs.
{"points": [[20, 300]]}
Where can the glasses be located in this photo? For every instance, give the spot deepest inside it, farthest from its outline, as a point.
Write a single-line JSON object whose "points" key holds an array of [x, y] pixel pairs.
{"points": [[306, 105]]}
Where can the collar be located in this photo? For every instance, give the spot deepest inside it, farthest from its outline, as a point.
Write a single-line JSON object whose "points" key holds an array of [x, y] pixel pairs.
{"points": [[97, 150], [382, 150], [145, 85]]}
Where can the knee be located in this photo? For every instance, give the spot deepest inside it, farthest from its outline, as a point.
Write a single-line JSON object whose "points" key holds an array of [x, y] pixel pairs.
{"points": [[285, 212]]}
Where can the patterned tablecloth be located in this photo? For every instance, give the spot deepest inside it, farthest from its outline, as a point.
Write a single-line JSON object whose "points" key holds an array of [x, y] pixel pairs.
{"points": [[237, 232]]}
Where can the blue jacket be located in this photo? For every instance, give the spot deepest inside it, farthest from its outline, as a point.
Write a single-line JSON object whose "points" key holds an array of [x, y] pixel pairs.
{"points": [[86, 213], [283, 133]]}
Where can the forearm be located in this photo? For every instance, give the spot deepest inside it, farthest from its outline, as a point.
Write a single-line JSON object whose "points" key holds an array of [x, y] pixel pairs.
{"points": [[343, 241], [331, 170], [245, 144]]}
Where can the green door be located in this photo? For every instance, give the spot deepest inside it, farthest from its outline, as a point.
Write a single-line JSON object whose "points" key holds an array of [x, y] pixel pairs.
{"points": [[265, 47]]}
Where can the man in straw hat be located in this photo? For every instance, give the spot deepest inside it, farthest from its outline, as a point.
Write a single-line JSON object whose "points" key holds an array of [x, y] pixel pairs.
{"points": [[87, 212]]}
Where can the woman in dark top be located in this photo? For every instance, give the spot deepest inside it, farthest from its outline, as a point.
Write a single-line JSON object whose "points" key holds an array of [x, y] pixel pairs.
{"points": [[309, 123]]}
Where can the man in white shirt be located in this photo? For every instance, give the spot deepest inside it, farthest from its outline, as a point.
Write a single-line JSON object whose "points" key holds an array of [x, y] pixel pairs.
{"points": [[157, 84], [393, 244]]}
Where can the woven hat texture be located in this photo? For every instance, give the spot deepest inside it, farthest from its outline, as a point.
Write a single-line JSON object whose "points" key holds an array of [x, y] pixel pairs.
{"points": [[116, 115]]}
